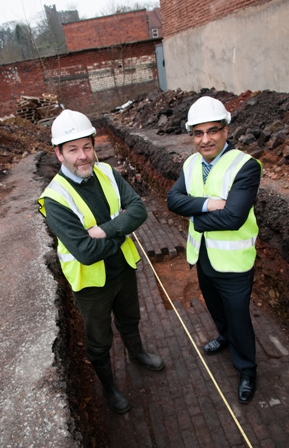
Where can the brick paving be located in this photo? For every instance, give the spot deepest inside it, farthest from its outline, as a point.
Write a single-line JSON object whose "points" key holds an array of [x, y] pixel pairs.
{"points": [[180, 406]]}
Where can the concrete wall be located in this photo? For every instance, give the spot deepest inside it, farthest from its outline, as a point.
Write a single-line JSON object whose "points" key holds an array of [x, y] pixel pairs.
{"points": [[244, 50]]}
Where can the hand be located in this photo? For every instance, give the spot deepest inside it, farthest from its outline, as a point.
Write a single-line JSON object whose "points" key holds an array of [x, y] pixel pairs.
{"points": [[216, 204], [96, 232]]}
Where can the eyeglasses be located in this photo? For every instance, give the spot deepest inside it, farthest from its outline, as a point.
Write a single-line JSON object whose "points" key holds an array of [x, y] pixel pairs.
{"points": [[210, 132]]}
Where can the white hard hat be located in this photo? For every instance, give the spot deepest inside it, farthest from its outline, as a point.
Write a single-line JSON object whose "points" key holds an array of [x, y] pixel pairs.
{"points": [[70, 125], [205, 110]]}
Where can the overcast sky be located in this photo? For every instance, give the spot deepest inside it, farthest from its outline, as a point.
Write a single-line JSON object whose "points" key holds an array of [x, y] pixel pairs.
{"points": [[26, 10]]}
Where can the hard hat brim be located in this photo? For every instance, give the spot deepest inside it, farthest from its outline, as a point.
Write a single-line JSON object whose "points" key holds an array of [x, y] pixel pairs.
{"points": [[88, 133]]}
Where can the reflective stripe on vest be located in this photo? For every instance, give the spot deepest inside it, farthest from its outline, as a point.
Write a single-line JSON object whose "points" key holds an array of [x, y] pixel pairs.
{"points": [[65, 257], [228, 251], [78, 275], [195, 242], [108, 171], [230, 245]]}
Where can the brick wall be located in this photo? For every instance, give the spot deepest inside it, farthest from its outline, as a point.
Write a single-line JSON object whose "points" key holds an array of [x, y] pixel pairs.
{"points": [[155, 22], [18, 79], [88, 81], [178, 16], [108, 30]]}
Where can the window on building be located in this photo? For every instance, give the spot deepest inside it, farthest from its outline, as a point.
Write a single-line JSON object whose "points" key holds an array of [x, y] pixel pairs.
{"points": [[155, 32]]}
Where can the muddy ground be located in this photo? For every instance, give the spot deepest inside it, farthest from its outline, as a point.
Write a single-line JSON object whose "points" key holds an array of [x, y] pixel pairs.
{"points": [[260, 126]]}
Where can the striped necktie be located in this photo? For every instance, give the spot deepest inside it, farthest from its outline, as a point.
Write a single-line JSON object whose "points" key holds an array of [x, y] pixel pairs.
{"points": [[206, 170]]}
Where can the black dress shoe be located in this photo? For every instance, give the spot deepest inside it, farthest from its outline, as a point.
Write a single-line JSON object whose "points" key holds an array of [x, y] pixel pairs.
{"points": [[215, 346], [246, 389]]}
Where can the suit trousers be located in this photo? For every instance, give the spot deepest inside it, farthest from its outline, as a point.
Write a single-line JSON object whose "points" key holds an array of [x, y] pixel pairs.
{"points": [[227, 297], [119, 296]]}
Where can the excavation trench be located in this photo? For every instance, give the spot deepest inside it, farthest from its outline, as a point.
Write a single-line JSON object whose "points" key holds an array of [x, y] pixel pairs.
{"points": [[151, 170]]}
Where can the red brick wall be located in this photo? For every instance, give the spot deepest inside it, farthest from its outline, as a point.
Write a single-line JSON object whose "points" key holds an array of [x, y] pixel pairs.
{"points": [[18, 78], [179, 16], [108, 30], [83, 80], [155, 22]]}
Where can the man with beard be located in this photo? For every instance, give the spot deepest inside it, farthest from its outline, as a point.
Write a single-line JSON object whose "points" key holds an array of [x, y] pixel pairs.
{"points": [[91, 209]]}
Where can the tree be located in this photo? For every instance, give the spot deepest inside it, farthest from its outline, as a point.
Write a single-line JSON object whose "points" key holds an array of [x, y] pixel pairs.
{"points": [[20, 41], [24, 38], [10, 50], [6, 34]]}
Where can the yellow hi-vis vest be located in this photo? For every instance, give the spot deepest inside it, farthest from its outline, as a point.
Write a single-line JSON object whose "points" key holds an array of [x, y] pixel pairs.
{"points": [[78, 275], [228, 250]]}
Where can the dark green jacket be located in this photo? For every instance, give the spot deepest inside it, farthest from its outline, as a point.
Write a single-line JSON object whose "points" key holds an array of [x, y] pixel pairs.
{"points": [[68, 228]]}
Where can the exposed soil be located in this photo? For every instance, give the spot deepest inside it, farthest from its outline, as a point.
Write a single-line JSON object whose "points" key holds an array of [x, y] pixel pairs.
{"points": [[260, 126], [18, 138]]}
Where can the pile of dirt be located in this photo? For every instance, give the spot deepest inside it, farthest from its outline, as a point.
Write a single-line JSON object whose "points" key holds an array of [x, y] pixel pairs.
{"points": [[259, 126], [18, 138]]}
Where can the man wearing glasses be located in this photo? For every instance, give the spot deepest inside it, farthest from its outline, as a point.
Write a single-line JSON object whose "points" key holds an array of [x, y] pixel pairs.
{"points": [[216, 190]]}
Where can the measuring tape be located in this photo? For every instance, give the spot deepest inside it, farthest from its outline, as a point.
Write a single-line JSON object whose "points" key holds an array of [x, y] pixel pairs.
{"points": [[195, 347]]}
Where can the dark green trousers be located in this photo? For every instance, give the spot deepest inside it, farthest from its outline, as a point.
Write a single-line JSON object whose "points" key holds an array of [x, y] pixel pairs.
{"points": [[118, 297]]}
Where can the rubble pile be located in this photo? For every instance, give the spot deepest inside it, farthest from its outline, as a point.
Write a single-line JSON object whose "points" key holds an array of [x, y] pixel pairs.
{"points": [[41, 110], [260, 120], [18, 138]]}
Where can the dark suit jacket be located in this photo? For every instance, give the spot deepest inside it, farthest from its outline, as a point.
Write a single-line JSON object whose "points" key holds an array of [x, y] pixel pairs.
{"points": [[240, 199]]}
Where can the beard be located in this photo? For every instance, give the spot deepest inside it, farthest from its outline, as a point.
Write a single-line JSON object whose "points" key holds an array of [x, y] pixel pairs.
{"points": [[84, 173], [83, 170]]}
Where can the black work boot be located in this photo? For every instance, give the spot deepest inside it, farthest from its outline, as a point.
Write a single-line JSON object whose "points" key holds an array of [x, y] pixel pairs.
{"points": [[136, 353], [115, 399]]}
